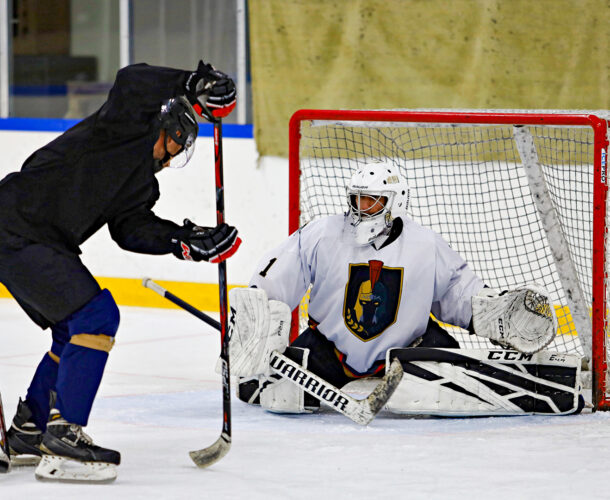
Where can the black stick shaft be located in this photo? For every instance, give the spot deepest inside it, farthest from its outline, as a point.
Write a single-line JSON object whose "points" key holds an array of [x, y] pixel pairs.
{"points": [[222, 284], [194, 311], [148, 283]]}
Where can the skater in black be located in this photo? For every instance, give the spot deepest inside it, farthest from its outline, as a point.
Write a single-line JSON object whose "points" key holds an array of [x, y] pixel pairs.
{"points": [[100, 172]]}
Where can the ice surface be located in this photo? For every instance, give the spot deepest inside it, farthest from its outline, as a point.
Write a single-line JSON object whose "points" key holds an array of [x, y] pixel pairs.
{"points": [[160, 398]]}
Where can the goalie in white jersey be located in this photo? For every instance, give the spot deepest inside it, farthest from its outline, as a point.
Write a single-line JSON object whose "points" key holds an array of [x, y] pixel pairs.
{"points": [[375, 277]]}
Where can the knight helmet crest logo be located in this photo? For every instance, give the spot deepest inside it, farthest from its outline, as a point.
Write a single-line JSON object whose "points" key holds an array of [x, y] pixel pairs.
{"points": [[372, 298]]}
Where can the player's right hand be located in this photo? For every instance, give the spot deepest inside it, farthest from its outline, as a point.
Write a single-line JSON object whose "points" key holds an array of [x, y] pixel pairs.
{"points": [[196, 243], [211, 92]]}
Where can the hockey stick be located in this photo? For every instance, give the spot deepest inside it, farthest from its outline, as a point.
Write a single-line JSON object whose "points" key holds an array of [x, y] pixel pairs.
{"points": [[361, 411], [148, 283], [5, 456], [207, 456]]}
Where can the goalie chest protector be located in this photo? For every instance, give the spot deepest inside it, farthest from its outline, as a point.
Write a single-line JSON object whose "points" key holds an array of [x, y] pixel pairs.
{"points": [[366, 300]]}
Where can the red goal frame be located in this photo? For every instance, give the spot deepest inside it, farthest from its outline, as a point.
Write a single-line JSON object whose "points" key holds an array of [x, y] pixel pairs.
{"points": [[600, 391]]}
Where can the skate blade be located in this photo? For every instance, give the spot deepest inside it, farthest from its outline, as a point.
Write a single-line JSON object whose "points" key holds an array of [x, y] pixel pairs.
{"points": [[65, 470], [24, 460]]}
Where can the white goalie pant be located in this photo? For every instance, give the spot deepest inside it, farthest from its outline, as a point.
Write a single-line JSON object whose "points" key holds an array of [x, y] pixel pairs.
{"points": [[485, 382]]}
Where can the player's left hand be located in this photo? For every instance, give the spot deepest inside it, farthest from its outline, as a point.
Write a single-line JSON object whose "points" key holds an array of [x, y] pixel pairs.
{"points": [[198, 243], [211, 92]]}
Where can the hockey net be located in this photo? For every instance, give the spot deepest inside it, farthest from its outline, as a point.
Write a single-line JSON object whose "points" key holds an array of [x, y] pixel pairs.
{"points": [[520, 195]]}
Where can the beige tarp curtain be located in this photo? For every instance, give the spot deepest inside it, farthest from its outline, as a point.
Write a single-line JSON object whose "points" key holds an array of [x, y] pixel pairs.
{"points": [[357, 54]]}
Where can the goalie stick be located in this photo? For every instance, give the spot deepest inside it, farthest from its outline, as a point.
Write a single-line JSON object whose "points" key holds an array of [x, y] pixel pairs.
{"points": [[361, 411], [5, 457]]}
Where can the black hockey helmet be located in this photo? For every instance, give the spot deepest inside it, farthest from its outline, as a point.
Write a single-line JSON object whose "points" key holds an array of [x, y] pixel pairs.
{"points": [[179, 121]]}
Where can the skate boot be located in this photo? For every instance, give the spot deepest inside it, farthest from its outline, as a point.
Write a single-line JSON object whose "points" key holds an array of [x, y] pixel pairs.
{"points": [[24, 437], [69, 455], [5, 462]]}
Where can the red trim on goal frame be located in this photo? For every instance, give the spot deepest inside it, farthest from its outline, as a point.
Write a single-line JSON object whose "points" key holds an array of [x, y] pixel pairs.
{"points": [[601, 393]]}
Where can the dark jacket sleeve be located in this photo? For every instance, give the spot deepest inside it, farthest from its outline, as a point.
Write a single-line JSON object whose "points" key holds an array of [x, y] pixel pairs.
{"points": [[137, 94], [136, 228], [141, 231]]}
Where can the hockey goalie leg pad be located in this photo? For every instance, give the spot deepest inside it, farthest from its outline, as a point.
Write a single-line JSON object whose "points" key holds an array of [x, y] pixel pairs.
{"points": [[522, 319], [248, 390], [257, 326], [485, 382], [279, 395]]}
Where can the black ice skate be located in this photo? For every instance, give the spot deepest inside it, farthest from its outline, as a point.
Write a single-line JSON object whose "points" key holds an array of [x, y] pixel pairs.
{"points": [[24, 437], [69, 455]]}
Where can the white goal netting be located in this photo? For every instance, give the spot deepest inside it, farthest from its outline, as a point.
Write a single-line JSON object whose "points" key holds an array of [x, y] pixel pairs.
{"points": [[469, 184]]}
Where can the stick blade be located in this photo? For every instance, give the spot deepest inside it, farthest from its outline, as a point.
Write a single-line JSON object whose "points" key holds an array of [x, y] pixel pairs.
{"points": [[384, 390], [212, 454]]}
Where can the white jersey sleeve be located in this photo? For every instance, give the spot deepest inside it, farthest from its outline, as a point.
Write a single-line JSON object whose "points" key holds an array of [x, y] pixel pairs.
{"points": [[454, 285], [286, 272]]}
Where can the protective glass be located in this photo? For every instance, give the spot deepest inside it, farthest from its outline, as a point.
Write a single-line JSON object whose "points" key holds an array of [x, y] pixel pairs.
{"points": [[181, 158]]}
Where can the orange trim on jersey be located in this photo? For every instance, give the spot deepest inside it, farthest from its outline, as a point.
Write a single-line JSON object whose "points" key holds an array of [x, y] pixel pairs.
{"points": [[377, 367]]}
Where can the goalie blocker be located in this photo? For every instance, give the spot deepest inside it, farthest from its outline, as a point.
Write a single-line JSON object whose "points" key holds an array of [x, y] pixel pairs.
{"points": [[485, 382]]}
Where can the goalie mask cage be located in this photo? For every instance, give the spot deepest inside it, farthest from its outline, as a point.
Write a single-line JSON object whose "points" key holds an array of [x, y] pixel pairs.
{"points": [[522, 196]]}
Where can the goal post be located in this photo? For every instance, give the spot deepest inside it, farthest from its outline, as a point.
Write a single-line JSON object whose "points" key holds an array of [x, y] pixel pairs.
{"points": [[521, 195]]}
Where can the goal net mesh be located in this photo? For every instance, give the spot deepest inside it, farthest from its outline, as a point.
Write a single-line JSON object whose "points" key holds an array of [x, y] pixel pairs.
{"points": [[468, 184]]}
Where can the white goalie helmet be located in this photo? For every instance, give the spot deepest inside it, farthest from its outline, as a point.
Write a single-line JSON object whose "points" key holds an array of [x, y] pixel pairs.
{"points": [[387, 197]]}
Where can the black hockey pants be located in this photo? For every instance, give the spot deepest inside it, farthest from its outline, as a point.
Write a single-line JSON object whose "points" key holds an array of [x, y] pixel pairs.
{"points": [[324, 359]]}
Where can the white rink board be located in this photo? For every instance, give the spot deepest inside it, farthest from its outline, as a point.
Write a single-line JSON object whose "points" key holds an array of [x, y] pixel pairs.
{"points": [[256, 202]]}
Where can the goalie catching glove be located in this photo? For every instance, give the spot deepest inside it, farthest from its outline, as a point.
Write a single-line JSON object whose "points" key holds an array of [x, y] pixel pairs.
{"points": [[211, 92], [196, 243], [523, 319], [257, 326]]}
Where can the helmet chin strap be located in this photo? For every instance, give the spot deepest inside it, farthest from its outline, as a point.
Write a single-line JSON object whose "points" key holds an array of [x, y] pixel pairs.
{"points": [[168, 156], [158, 166]]}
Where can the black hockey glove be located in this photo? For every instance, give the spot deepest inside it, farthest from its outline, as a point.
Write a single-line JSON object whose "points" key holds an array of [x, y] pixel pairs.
{"points": [[211, 92], [197, 243]]}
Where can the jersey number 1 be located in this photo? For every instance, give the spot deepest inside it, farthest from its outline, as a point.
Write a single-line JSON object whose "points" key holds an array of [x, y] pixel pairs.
{"points": [[263, 273]]}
